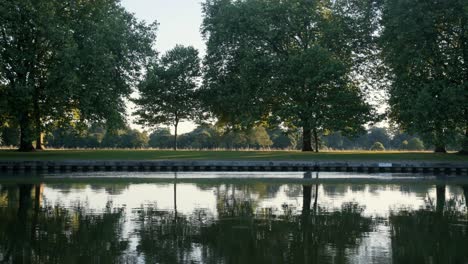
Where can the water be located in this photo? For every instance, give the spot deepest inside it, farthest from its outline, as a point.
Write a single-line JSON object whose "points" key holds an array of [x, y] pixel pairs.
{"points": [[211, 218]]}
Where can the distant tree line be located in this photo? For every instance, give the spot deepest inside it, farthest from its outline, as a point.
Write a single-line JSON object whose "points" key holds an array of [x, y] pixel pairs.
{"points": [[308, 68], [211, 137]]}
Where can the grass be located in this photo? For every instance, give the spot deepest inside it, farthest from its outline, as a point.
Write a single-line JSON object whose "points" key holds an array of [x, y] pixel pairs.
{"points": [[230, 155]]}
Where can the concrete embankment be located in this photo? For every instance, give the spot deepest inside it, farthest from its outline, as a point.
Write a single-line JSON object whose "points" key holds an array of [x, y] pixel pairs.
{"points": [[460, 168]]}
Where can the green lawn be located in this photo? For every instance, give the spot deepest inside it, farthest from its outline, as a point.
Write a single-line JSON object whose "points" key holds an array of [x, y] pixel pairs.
{"points": [[229, 155]]}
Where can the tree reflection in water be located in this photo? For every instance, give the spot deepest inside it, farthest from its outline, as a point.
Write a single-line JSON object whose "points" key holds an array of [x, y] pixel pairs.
{"points": [[434, 234], [244, 233], [250, 222], [31, 232]]}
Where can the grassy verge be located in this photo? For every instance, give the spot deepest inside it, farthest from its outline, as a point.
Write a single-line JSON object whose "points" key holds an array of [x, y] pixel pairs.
{"points": [[229, 155]]}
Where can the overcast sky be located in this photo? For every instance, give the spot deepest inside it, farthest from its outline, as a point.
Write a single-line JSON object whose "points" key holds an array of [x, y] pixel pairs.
{"points": [[179, 23]]}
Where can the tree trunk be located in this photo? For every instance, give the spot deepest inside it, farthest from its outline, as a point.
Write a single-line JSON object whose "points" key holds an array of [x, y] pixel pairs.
{"points": [[26, 135], [306, 139], [37, 122], [439, 142], [40, 142], [316, 140], [464, 150], [175, 134], [440, 149]]}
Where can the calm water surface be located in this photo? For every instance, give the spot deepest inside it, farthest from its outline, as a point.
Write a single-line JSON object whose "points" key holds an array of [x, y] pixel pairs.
{"points": [[372, 219]]}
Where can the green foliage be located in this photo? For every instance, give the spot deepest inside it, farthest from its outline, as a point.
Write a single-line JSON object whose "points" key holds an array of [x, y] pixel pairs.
{"points": [[209, 137], [259, 138], [96, 137], [64, 61], [167, 94], [9, 136], [282, 139], [425, 46], [290, 60], [365, 140], [161, 138], [415, 144], [404, 145], [377, 146], [125, 138], [3, 106], [212, 137], [377, 134], [133, 138]]}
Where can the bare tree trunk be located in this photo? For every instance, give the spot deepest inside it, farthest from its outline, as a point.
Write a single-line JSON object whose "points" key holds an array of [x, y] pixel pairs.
{"points": [[306, 139]]}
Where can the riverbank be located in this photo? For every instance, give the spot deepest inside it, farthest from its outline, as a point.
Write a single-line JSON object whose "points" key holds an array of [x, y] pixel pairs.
{"points": [[163, 160], [152, 155]]}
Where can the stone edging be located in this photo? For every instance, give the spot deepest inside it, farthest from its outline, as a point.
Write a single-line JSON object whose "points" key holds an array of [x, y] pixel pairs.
{"points": [[460, 168]]}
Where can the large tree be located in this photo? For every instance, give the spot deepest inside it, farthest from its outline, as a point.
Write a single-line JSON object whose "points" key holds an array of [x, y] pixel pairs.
{"points": [[65, 60], [292, 62], [168, 92], [425, 46]]}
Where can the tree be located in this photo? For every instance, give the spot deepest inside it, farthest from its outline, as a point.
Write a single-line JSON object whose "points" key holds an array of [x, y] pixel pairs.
{"points": [[282, 139], [9, 136], [377, 134], [65, 61], [404, 145], [415, 144], [204, 136], [3, 106], [160, 138], [377, 146], [290, 61], [168, 91], [425, 46], [134, 139]]}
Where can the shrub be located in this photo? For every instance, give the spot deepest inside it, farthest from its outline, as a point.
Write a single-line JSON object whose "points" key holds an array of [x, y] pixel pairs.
{"points": [[377, 146]]}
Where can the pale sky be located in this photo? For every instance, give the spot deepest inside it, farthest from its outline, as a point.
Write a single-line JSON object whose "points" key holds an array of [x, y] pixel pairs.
{"points": [[179, 23]]}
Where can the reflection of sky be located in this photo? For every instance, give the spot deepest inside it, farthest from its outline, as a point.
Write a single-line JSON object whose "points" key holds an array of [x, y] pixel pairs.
{"points": [[377, 199], [376, 202], [133, 197]]}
